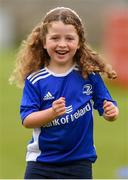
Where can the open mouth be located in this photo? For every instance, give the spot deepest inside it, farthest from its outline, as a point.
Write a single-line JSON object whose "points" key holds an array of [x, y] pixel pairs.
{"points": [[62, 52]]}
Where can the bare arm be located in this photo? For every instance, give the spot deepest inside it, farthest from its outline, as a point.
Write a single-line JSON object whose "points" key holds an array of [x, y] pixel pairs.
{"points": [[111, 111], [40, 118]]}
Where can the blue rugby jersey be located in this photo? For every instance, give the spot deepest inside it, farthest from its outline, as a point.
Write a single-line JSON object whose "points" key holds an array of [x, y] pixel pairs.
{"points": [[68, 137]]}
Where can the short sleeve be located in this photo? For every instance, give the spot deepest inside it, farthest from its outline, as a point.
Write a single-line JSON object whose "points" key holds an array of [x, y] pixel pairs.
{"points": [[30, 100], [100, 92]]}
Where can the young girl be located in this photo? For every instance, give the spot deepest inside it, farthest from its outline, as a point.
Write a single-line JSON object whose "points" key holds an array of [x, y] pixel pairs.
{"points": [[62, 84]]}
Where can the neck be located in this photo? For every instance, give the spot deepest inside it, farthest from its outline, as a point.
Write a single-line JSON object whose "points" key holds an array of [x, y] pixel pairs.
{"points": [[59, 68]]}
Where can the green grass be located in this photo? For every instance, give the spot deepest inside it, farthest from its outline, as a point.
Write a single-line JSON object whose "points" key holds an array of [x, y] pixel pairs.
{"points": [[13, 137], [111, 138]]}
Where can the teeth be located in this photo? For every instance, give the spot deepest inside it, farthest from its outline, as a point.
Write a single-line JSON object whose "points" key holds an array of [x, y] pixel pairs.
{"points": [[61, 52]]}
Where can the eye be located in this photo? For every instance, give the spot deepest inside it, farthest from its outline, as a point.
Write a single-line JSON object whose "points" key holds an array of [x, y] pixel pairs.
{"points": [[70, 38], [55, 38]]}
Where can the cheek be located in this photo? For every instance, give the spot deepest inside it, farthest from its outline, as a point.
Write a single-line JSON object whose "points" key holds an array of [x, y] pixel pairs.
{"points": [[49, 45], [74, 46], [49, 50]]}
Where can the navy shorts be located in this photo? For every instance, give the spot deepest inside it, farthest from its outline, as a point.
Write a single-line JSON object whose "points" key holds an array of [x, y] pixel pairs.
{"points": [[75, 170]]}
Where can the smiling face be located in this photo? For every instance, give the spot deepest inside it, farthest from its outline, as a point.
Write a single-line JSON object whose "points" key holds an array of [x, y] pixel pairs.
{"points": [[61, 43]]}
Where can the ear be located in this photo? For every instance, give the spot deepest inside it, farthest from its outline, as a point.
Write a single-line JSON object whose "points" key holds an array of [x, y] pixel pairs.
{"points": [[78, 47], [44, 46]]}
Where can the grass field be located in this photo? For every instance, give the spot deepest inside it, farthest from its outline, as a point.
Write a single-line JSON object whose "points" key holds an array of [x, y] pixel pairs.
{"points": [[111, 138]]}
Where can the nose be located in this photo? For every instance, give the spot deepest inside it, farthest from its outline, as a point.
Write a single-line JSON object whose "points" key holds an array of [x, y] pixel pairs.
{"points": [[62, 43]]}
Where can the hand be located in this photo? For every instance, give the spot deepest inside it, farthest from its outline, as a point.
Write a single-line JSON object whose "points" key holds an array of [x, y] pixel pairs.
{"points": [[110, 111], [58, 106]]}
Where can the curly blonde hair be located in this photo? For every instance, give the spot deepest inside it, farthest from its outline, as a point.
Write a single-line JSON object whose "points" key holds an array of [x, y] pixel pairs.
{"points": [[32, 56]]}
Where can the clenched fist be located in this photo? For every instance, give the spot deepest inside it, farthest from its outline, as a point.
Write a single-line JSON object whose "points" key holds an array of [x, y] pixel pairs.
{"points": [[59, 106], [110, 111]]}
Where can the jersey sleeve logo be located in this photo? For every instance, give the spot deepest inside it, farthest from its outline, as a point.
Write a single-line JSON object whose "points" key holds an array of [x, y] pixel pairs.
{"points": [[87, 89], [48, 96]]}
